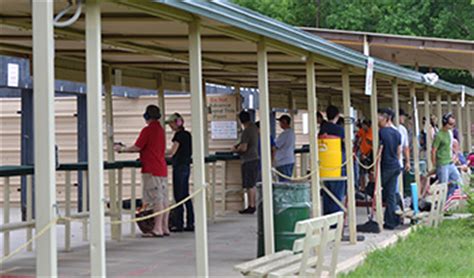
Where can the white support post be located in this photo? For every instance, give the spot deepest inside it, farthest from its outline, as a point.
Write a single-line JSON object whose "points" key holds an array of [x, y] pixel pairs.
{"points": [[199, 179], [29, 209], [450, 103], [313, 135], [161, 98], [375, 146], [346, 91], [44, 138], [439, 110], [459, 122], [468, 127], [6, 215], [67, 228], [109, 127], [426, 100], [415, 143], [396, 109], [133, 206], [85, 204], [95, 138], [267, 190]]}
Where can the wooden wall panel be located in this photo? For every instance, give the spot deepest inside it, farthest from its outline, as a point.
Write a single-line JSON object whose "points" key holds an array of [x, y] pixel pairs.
{"points": [[128, 122]]}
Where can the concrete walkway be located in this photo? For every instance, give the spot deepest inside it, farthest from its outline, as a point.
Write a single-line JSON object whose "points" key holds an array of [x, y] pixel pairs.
{"points": [[232, 240]]}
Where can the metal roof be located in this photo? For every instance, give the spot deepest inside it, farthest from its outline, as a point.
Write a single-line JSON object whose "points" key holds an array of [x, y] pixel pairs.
{"points": [[234, 15], [142, 38]]}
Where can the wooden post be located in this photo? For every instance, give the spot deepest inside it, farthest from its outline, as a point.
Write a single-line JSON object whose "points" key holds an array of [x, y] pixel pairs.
{"points": [[95, 137], [375, 146], [439, 110], [346, 91], [396, 108], [199, 179], [6, 215], [267, 190], [133, 184], [416, 151], [313, 135], [44, 136], [67, 232], [426, 100], [160, 80], [29, 209], [450, 103], [109, 127], [469, 147], [460, 123]]}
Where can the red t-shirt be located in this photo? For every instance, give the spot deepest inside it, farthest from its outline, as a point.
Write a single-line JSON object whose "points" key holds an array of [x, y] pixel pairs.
{"points": [[151, 142]]}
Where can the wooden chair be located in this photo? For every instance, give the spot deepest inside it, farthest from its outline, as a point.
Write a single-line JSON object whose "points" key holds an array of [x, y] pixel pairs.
{"points": [[439, 193], [307, 257]]}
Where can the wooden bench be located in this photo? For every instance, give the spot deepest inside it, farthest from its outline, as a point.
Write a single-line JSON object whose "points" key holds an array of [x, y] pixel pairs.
{"points": [[437, 199], [307, 256]]}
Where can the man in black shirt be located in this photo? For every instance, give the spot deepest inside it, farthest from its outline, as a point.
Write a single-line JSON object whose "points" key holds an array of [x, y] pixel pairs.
{"points": [[390, 168], [337, 188], [181, 151]]}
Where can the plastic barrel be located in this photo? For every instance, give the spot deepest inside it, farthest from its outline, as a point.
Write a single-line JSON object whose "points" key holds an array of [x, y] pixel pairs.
{"points": [[291, 203], [330, 156]]}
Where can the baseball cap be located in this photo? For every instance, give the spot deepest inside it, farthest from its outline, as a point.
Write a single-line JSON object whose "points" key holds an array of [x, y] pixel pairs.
{"points": [[285, 118], [173, 117]]}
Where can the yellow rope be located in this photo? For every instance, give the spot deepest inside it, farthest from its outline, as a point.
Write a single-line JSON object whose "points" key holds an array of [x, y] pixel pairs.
{"points": [[131, 220], [307, 176], [367, 167], [25, 245], [55, 220]]}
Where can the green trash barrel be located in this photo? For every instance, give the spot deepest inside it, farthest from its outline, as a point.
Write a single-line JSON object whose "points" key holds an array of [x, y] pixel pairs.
{"points": [[291, 203]]}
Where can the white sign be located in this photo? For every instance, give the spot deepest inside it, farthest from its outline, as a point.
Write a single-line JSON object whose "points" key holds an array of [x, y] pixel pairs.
{"points": [[223, 130], [463, 95], [13, 75], [369, 76], [251, 104], [304, 116]]}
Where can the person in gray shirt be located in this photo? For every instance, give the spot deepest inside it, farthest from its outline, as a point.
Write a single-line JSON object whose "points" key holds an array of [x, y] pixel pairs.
{"points": [[248, 150], [285, 149]]}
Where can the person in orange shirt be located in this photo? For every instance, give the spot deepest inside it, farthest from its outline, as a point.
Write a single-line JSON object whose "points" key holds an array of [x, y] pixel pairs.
{"points": [[365, 146]]}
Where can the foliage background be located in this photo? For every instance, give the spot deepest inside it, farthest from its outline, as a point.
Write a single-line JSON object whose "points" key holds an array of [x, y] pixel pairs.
{"points": [[452, 19]]}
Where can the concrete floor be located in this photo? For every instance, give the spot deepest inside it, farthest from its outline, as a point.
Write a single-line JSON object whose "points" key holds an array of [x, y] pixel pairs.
{"points": [[232, 240]]}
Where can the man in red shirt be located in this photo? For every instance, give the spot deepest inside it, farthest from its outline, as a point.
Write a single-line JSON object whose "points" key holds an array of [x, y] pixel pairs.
{"points": [[151, 146]]}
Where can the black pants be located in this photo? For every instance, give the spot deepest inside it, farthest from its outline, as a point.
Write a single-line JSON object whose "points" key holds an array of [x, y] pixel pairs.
{"points": [[181, 191], [389, 196]]}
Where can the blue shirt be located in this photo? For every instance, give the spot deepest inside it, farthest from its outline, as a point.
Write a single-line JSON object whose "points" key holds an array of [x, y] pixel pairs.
{"points": [[285, 148], [390, 139]]}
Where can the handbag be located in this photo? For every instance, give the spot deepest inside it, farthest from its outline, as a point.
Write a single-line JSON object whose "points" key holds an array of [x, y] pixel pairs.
{"points": [[146, 225]]}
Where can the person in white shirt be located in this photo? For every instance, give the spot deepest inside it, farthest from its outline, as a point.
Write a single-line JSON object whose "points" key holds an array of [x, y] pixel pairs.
{"points": [[405, 157]]}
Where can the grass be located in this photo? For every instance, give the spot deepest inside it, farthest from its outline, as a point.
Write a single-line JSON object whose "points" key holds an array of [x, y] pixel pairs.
{"points": [[447, 251]]}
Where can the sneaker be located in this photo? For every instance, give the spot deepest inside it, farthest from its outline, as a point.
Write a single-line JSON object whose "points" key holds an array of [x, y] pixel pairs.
{"points": [[189, 229], [176, 230], [249, 210]]}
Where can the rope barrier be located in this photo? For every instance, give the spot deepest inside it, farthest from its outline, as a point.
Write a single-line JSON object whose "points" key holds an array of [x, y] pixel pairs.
{"points": [[55, 220], [194, 194], [367, 167], [309, 175], [25, 245]]}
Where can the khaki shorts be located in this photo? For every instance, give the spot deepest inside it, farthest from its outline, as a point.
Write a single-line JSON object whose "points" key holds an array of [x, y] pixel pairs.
{"points": [[155, 189]]}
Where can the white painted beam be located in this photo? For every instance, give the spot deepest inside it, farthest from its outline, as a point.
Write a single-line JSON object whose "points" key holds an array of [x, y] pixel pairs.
{"points": [[197, 119], [313, 135], [44, 138], [95, 138], [267, 190], [350, 160]]}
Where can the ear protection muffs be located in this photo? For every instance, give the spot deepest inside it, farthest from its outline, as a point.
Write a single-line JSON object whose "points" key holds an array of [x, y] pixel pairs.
{"points": [[446, 118], [179, 122], [147, 115]]}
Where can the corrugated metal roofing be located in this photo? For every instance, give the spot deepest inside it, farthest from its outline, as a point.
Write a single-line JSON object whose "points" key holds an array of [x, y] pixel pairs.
{"points": [[234, 15]]}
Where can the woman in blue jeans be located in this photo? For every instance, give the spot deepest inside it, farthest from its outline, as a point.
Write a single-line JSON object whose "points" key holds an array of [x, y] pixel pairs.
{"points": [[181, 151]]}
